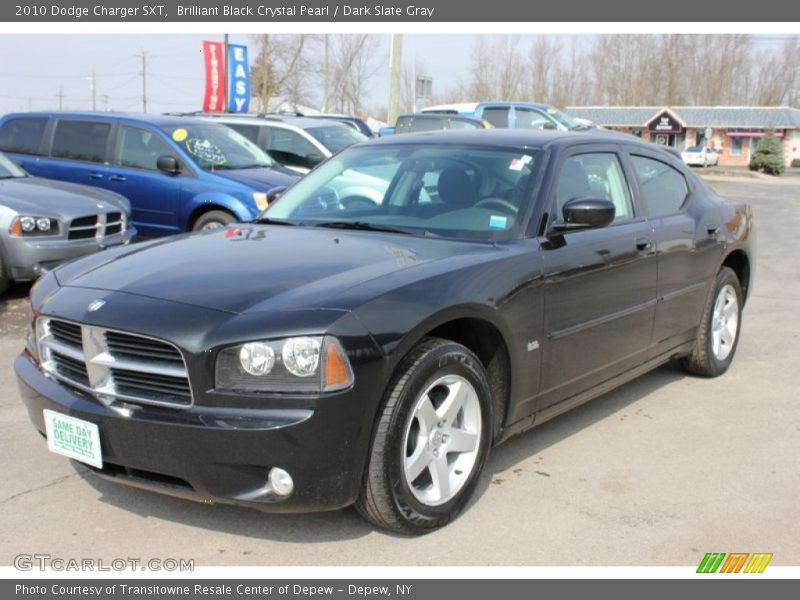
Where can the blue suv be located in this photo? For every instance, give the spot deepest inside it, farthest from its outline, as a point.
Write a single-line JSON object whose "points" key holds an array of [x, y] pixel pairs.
{"points": [[178, 173]]}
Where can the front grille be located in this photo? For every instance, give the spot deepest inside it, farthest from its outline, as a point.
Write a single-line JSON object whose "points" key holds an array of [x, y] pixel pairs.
{"points": [[114, 365], [92, 226], [138, 348], [66, 333], [73, 370]]}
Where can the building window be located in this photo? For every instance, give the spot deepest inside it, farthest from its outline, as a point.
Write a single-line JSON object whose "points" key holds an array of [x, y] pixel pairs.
{"points": [[737, 144]]}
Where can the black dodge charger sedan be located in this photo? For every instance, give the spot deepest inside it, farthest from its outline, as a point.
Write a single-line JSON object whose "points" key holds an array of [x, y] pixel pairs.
{"points": [[406, 306]]}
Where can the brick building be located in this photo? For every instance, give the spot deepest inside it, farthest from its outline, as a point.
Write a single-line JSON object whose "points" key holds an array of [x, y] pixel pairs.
{"points": [[733, 129]]}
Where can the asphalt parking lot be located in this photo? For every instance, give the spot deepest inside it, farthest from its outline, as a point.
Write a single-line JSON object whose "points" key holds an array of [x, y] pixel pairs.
{"points": [[658, 472]]}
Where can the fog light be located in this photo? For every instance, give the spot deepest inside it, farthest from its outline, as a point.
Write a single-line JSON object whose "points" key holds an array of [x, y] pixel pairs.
{"points": [[257, 358], [280, 481]]}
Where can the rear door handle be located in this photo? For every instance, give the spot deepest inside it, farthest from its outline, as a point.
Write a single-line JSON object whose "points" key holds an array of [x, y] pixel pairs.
{"points": [[644, 243], [95, 175], [117, 178]]}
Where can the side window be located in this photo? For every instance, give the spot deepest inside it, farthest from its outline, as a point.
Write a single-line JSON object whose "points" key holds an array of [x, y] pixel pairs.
{"points": [[22, 135], [457, 124], [497, 116], [248, 131], [663, 187], [403, 125], [140, 148], [289, 148], [533, 119], [595, 175], [426, 124], [81, 140]]}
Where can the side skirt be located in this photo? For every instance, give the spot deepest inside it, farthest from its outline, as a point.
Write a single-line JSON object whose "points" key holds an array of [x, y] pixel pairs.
{"points": [[567, 404]]}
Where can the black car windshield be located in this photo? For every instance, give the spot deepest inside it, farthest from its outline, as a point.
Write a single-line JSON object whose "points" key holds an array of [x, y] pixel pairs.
{"points": [[8, 170], [448, 191], [213, 146], [336, 137]]}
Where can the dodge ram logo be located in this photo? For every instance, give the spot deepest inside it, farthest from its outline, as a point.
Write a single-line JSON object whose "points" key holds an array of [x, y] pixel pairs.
{"points": [[96, 305]]}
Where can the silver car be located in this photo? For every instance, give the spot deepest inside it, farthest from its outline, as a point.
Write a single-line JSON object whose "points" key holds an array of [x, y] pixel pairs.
{"points": [[44, 223]]}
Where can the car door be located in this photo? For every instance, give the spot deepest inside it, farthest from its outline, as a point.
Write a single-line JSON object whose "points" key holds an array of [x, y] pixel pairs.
{"points": [[600, 284], [154, 195], [78, 152], [686, 230]]}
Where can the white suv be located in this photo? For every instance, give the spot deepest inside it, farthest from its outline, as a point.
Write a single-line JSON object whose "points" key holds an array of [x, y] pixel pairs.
{"points": [[299, 143]]}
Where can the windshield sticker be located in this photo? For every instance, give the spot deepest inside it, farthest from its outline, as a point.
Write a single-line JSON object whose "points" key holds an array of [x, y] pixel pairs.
{"points": [[206, 151], [516, 164], [179, 135], [498, 222]]}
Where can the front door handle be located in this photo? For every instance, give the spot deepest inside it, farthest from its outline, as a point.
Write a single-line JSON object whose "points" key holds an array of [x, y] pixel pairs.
{"points": [[117, 178], [644, 243], [95, 175], [712, 228]]}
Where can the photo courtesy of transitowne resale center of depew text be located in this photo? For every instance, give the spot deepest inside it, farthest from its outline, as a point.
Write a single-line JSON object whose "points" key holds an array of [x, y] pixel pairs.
{"points": [[398, 300]]}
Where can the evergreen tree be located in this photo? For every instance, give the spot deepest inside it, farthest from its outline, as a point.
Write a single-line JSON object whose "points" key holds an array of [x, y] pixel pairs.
{"points": [[768, 156]]}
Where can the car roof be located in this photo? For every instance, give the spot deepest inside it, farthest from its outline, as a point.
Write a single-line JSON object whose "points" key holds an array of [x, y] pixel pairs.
{"points": [[521, 138], [154, 119], [299, 122], [473, 106], [434, 115]]}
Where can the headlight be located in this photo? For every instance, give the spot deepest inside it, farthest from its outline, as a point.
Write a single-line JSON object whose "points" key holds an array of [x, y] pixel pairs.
{"points": [[297, 364], [28, 225], [261, 200]]}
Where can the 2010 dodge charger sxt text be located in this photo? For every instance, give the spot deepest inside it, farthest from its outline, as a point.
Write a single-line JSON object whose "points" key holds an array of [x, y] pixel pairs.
{"points": [[407, 305]]}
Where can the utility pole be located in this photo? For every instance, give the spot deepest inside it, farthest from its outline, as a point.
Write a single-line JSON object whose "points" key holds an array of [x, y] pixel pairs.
{"points": [[325, 76], [94, 91], [394, 85], [105, 102], [225, 69], [144, 81], [60, 96]]}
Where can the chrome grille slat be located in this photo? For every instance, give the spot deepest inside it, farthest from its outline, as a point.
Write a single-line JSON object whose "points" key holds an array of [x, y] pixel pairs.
{"points": [[113, 364]]}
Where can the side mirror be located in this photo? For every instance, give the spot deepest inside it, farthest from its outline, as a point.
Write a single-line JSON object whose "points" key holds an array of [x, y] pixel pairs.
{"points": [[586, 213], [275, 193], [312, 160], [168, 164]]}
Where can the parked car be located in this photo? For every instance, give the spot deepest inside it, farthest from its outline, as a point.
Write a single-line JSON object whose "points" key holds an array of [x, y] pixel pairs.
{"points": [[298, 143], [417, 123], [44, 223], [179, 174], [354, 122], [341, 350], [700, 156], [513, 115]]}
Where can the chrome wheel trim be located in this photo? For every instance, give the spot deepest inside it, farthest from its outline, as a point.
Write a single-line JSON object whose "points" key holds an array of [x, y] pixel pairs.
{"points": [[724, 322], [212, 225], [442, 440]]}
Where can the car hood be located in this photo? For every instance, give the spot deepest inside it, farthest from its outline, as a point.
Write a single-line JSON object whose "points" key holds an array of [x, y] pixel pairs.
{"points": [[246, 268], [262, 179], [43, 197]]}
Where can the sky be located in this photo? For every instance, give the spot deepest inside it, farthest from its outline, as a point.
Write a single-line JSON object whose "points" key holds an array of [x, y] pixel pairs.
{"points": [[45, 66], [40, 67]]}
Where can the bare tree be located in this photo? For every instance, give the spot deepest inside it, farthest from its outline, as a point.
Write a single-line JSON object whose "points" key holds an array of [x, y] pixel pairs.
{"points": [[354, 62], [284, 66]]}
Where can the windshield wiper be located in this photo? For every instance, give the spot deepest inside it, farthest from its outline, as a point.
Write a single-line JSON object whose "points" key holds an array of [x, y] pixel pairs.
{"points": [[361, 226], [270, 221], [253, 166]]}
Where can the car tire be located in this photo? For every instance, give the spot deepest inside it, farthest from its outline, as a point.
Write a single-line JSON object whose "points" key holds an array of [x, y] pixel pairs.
{"points": [[430, 441], [213, 219], [718, 332]]}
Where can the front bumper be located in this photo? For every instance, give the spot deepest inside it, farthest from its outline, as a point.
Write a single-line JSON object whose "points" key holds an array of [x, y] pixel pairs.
{"points": [[217, 454], [28, 258]]}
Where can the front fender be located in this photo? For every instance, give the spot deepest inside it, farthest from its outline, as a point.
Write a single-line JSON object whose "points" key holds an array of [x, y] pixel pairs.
{"points": [[243, 210]]}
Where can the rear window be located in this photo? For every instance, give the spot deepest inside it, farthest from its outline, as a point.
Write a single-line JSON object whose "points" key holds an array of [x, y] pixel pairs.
{"points": [[81, 140], [22, 135]]}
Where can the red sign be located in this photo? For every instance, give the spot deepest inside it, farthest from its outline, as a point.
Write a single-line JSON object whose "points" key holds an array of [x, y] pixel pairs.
{"points": [[214, 99]]}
